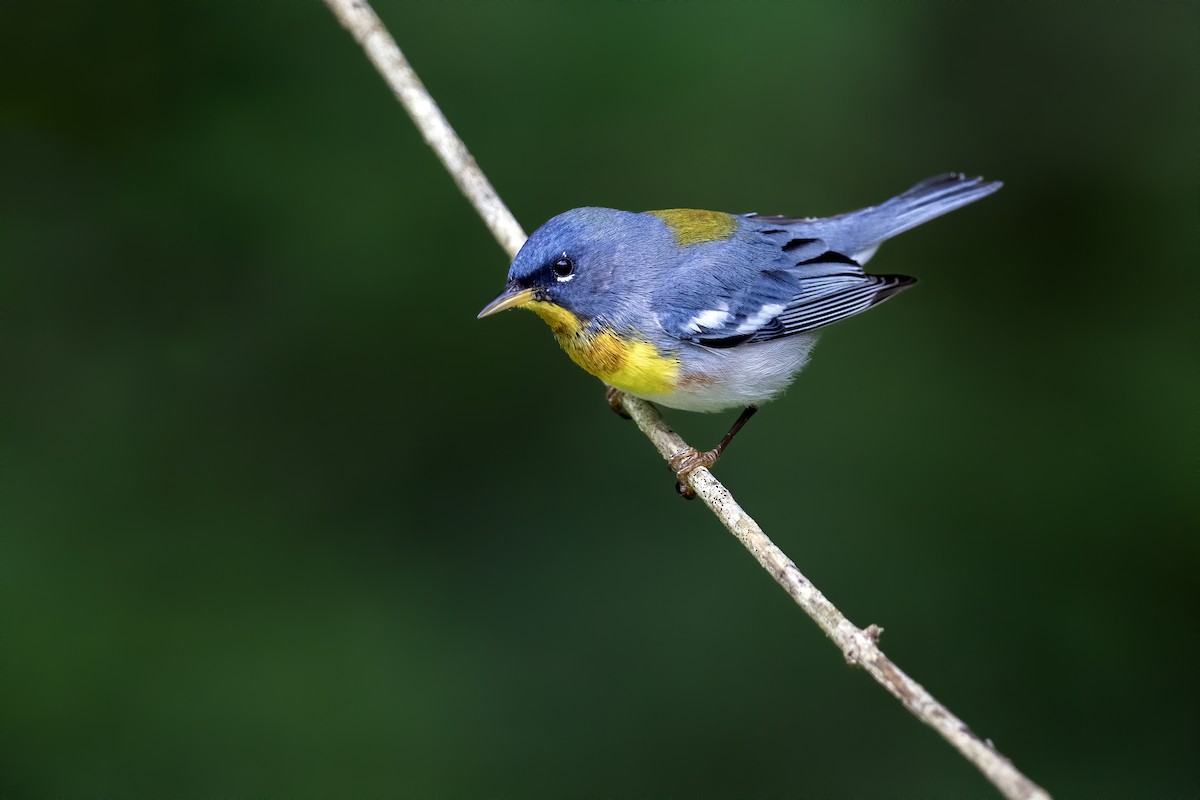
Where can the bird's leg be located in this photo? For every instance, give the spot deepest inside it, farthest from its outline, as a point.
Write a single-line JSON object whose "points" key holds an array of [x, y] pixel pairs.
{"points": [[690, 460], [613, 396]]}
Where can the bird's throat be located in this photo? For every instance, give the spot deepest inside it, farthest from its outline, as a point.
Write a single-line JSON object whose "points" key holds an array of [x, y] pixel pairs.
{"points": [[632, 365]]}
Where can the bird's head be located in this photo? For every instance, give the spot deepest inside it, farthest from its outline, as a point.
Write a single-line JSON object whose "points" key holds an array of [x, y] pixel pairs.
{"points": [[566, 270]]}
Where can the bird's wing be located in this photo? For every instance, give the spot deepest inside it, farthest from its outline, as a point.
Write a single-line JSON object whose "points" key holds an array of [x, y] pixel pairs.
{"points": [[826, 300], [807, 287]]}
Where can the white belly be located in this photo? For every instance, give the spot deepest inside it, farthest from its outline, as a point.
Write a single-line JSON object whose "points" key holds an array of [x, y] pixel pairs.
{"points": [[736, 377]]}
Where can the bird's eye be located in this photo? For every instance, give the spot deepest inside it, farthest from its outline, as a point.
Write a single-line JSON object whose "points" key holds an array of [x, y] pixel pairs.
{"points": [[563, 267]]}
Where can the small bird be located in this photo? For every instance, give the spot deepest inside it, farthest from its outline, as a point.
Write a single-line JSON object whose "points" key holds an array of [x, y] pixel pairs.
{"points": [[703, 310]]}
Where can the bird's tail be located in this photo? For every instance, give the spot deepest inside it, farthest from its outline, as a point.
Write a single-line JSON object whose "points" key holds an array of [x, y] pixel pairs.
{"points": [[859, 233]]}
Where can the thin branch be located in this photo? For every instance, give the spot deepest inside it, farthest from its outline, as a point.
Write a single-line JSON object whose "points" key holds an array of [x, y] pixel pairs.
{"points": [[859, 646]]}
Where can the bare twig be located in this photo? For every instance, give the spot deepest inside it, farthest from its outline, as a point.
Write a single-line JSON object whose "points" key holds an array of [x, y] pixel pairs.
{"points": [[859, 646]]}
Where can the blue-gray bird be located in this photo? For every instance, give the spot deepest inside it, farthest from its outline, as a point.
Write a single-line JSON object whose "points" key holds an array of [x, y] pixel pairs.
{"points": [[703, 310]]}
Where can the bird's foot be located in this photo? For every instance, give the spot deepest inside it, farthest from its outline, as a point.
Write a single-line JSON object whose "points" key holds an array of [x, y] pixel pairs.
{"points": [[687, 462], [614, 397]]}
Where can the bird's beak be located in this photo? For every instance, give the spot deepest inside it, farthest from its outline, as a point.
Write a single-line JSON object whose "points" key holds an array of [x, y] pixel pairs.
{"points": [[509, 298]]}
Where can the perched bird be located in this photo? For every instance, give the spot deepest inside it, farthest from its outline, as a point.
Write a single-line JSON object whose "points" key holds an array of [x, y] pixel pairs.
{"points": [[703, 310]]}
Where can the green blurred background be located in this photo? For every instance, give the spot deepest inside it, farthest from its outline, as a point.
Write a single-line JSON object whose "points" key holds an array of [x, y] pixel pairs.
{"points": [[280, 518]]}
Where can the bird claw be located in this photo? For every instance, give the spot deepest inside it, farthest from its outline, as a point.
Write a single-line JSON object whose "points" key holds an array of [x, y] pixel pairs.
{"points": [[614, 398], [687, 462]]}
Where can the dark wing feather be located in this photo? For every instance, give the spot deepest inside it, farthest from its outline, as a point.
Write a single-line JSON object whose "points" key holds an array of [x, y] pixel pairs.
{"points": [[826, 300], [812, 287], [728, 310]]}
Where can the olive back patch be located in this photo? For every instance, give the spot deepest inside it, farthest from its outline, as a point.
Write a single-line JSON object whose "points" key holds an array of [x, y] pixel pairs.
{"points": [[695, 226]]}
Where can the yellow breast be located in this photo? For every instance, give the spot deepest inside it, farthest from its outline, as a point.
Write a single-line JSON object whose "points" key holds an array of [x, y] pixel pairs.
{"points": [[631, 365]]}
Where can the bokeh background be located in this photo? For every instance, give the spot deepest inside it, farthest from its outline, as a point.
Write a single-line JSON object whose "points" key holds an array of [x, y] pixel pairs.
{"points": [[280, 518]]}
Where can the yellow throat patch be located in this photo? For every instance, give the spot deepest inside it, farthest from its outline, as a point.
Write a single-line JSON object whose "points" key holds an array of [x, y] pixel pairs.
{"points": [[694, 226], [629, 364]]}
